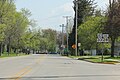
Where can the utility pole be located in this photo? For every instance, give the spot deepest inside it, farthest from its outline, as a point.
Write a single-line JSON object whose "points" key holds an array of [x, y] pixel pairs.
{"points": [[76, 16], [67, 20], [62, 36]]}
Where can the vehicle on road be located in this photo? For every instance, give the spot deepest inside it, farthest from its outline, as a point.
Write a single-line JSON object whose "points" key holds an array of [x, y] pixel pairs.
{"points": [[53, 53]]}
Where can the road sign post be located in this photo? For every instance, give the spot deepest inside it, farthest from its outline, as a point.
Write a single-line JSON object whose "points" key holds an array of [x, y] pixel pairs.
{"points": [[79, 45], [102, 52], [102, 38]]}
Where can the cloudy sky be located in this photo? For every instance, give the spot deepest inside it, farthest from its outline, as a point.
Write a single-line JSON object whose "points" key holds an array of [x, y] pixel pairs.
{"points": [[49, 13]]}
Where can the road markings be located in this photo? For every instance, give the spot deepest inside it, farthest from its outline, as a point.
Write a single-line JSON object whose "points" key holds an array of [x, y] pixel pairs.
{"points": [[24, 69], [28, 69]]}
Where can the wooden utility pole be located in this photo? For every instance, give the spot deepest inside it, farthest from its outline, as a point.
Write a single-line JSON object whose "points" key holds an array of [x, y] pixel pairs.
{"points": [[62, 37], [67, 19]]}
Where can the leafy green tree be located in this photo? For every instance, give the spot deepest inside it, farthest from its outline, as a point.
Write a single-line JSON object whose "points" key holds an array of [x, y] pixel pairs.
{"points": [[6, 7], [50, 35], [14, 27], [88, 32], [17, 24], [85, 9]]}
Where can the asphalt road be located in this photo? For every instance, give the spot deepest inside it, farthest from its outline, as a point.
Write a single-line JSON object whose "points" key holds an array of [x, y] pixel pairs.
{"points": [[55, 67]]}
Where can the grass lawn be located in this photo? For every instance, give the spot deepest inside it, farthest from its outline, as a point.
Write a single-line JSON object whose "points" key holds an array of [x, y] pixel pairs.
{"points": [[4, 55], [97, 59], [117, 58]]}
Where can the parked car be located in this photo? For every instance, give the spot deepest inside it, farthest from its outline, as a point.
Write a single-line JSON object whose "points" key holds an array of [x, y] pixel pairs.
{"points": [[53, 53]]}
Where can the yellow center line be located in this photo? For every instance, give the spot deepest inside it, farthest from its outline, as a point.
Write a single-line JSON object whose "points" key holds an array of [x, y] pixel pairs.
{"points": [[27, 69], [24, 73], [21, 71]]}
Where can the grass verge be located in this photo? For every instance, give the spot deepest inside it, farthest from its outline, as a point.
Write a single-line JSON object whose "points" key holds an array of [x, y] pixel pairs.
{"points": [[97, 59], [5, 55]]}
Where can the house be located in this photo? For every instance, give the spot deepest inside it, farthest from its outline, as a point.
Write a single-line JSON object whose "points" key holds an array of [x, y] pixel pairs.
{"points": [[117, 49]]}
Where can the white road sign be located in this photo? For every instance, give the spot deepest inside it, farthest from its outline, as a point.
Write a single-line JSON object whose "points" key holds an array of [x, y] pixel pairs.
{"points": [[79, 44], [102, 37]]}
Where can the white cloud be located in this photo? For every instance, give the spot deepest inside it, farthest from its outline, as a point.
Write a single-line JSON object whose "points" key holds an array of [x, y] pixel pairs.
{"points": [[57, 13], [102, 4], [67, 7], [63, 9], [55, 17]]}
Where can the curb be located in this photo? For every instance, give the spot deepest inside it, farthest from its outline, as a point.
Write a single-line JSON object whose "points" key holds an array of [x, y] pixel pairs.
{"points": [[98, 62]]}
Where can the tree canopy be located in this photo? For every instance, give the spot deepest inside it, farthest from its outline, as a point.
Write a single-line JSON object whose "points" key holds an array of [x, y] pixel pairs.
{"points": [[85, 8], [17, 33], [112, 25], [88, 31]]}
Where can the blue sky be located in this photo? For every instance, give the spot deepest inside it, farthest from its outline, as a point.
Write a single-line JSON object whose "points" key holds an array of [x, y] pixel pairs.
{"points": [[49, 13]]}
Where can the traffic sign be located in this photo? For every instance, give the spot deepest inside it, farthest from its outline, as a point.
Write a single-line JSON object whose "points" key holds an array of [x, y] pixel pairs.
{"points": [[102, 37], [79, 44], [74, 46]]}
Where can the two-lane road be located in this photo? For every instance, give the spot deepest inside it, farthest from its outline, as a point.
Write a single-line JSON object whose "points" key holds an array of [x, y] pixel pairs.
{"points": [[55, 67]]}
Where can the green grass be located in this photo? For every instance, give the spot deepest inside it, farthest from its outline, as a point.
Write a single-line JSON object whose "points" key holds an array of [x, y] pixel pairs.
{"points": [[5, 55], [93, 60], [85, 57], [97, 59], [74, 56], [117, 58]]}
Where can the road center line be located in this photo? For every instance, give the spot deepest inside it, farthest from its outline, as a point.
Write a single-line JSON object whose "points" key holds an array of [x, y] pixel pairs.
{"points": [[28, 69], [24, 73]]}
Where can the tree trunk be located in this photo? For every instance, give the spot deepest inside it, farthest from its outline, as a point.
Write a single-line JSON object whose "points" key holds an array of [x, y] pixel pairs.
{"points": [[112, 47], [8, 46], [0, 49], [33, 51], [3, 48], [8, 49], [15, 50]]}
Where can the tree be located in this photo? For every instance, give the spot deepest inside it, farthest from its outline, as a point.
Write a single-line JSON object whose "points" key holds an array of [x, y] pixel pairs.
{"points": [[50, 35], [14, 26], [112, 26], [6, 6], [88, 32], [17, 24], [85, 8]]}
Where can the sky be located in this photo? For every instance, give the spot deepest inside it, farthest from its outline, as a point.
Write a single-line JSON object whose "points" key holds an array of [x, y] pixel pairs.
{"points": [[49, 13]]}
